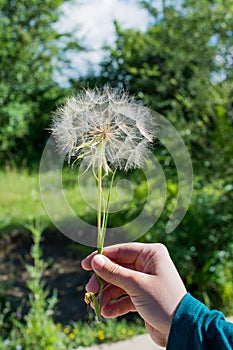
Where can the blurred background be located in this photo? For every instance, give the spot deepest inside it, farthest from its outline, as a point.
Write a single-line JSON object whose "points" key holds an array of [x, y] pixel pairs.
{"points": [[174, 56]]}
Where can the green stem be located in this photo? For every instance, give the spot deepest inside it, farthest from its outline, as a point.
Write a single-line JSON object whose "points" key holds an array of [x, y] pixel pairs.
{"points": [[99, 211], [106, 212], [102, 226], [99, 238]]}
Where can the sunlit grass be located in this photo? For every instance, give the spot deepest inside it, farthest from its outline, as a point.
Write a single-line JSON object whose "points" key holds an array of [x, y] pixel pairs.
{"points": [[111, 330], [21, 201], [20, 198]]}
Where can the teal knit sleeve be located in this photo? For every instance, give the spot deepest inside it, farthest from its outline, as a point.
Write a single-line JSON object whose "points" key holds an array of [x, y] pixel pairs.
{"points": [[195, 327]]}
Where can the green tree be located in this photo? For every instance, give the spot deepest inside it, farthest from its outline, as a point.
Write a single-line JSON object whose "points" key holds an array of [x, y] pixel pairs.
{"points": [[30, 51], [181, 67]]}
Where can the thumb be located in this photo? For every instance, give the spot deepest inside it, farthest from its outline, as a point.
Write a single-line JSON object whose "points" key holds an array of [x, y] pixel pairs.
{"points": [[113, 273]]}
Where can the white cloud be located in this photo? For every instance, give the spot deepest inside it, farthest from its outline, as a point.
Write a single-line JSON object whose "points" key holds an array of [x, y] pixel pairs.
{"points": [[93, 20]]}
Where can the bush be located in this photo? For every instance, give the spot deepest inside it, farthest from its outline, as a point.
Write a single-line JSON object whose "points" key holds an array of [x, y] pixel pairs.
{"points": [[202, 245]]}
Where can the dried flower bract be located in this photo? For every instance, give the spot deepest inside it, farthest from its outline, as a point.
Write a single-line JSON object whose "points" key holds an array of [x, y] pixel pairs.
{"points": [[105, 128]]}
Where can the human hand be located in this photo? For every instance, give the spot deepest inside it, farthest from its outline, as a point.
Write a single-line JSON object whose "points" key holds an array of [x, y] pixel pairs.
{"points": [[139, 277]]}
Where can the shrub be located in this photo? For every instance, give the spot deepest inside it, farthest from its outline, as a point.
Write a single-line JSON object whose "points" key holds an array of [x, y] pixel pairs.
{"points": [[202, 245]]}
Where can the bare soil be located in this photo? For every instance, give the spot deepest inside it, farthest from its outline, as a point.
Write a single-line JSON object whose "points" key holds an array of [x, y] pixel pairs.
{"points": [[63, 274]]}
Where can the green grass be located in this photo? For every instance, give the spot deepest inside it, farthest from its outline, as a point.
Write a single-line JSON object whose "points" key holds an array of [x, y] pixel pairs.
{"points": [[109, 331], [80, 334], [20, 198]]}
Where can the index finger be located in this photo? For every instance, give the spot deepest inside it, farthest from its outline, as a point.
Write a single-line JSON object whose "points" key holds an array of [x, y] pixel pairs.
{"points": [[121, 254]]}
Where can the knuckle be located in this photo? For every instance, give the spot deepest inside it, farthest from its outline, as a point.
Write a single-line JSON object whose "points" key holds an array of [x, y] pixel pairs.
{"points": [[121, 277], [113, 272], [161, 249]]}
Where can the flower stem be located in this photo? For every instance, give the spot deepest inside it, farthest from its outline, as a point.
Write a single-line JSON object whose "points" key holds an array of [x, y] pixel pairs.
{"points": [[99, 211], [99, 238], [102, 218]]}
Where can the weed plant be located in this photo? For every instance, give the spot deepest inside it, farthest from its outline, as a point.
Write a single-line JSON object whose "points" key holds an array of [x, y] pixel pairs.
{"points": [[37, 330]]}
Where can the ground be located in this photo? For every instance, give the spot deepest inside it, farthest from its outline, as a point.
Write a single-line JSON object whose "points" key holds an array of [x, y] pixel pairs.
{"points": [[63, 274]]}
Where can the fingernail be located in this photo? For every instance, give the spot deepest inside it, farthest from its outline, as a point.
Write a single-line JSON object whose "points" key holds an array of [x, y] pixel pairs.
{"points": [[99, 261]]}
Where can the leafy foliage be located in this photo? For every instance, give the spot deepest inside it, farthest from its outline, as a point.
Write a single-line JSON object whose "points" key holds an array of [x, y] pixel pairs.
{"points": [[30, 50], [181, 67], [202, 246]]}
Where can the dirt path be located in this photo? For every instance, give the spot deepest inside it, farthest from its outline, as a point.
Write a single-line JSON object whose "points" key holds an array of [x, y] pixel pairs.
{"points": [[136, 343]]}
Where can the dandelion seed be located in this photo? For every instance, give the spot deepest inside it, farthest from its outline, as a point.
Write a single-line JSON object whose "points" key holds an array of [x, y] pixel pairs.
{"points": [[106, 128]]}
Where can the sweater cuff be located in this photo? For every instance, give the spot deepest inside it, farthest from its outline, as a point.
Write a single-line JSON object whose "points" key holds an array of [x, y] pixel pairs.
{"points": [[186, 331]]}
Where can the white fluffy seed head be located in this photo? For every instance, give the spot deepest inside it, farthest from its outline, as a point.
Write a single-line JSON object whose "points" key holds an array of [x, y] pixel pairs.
{"points": [[106, 128]]}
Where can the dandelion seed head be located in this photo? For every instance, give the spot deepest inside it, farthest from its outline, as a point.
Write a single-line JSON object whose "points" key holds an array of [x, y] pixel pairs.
{"points": [[106, 128]]}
